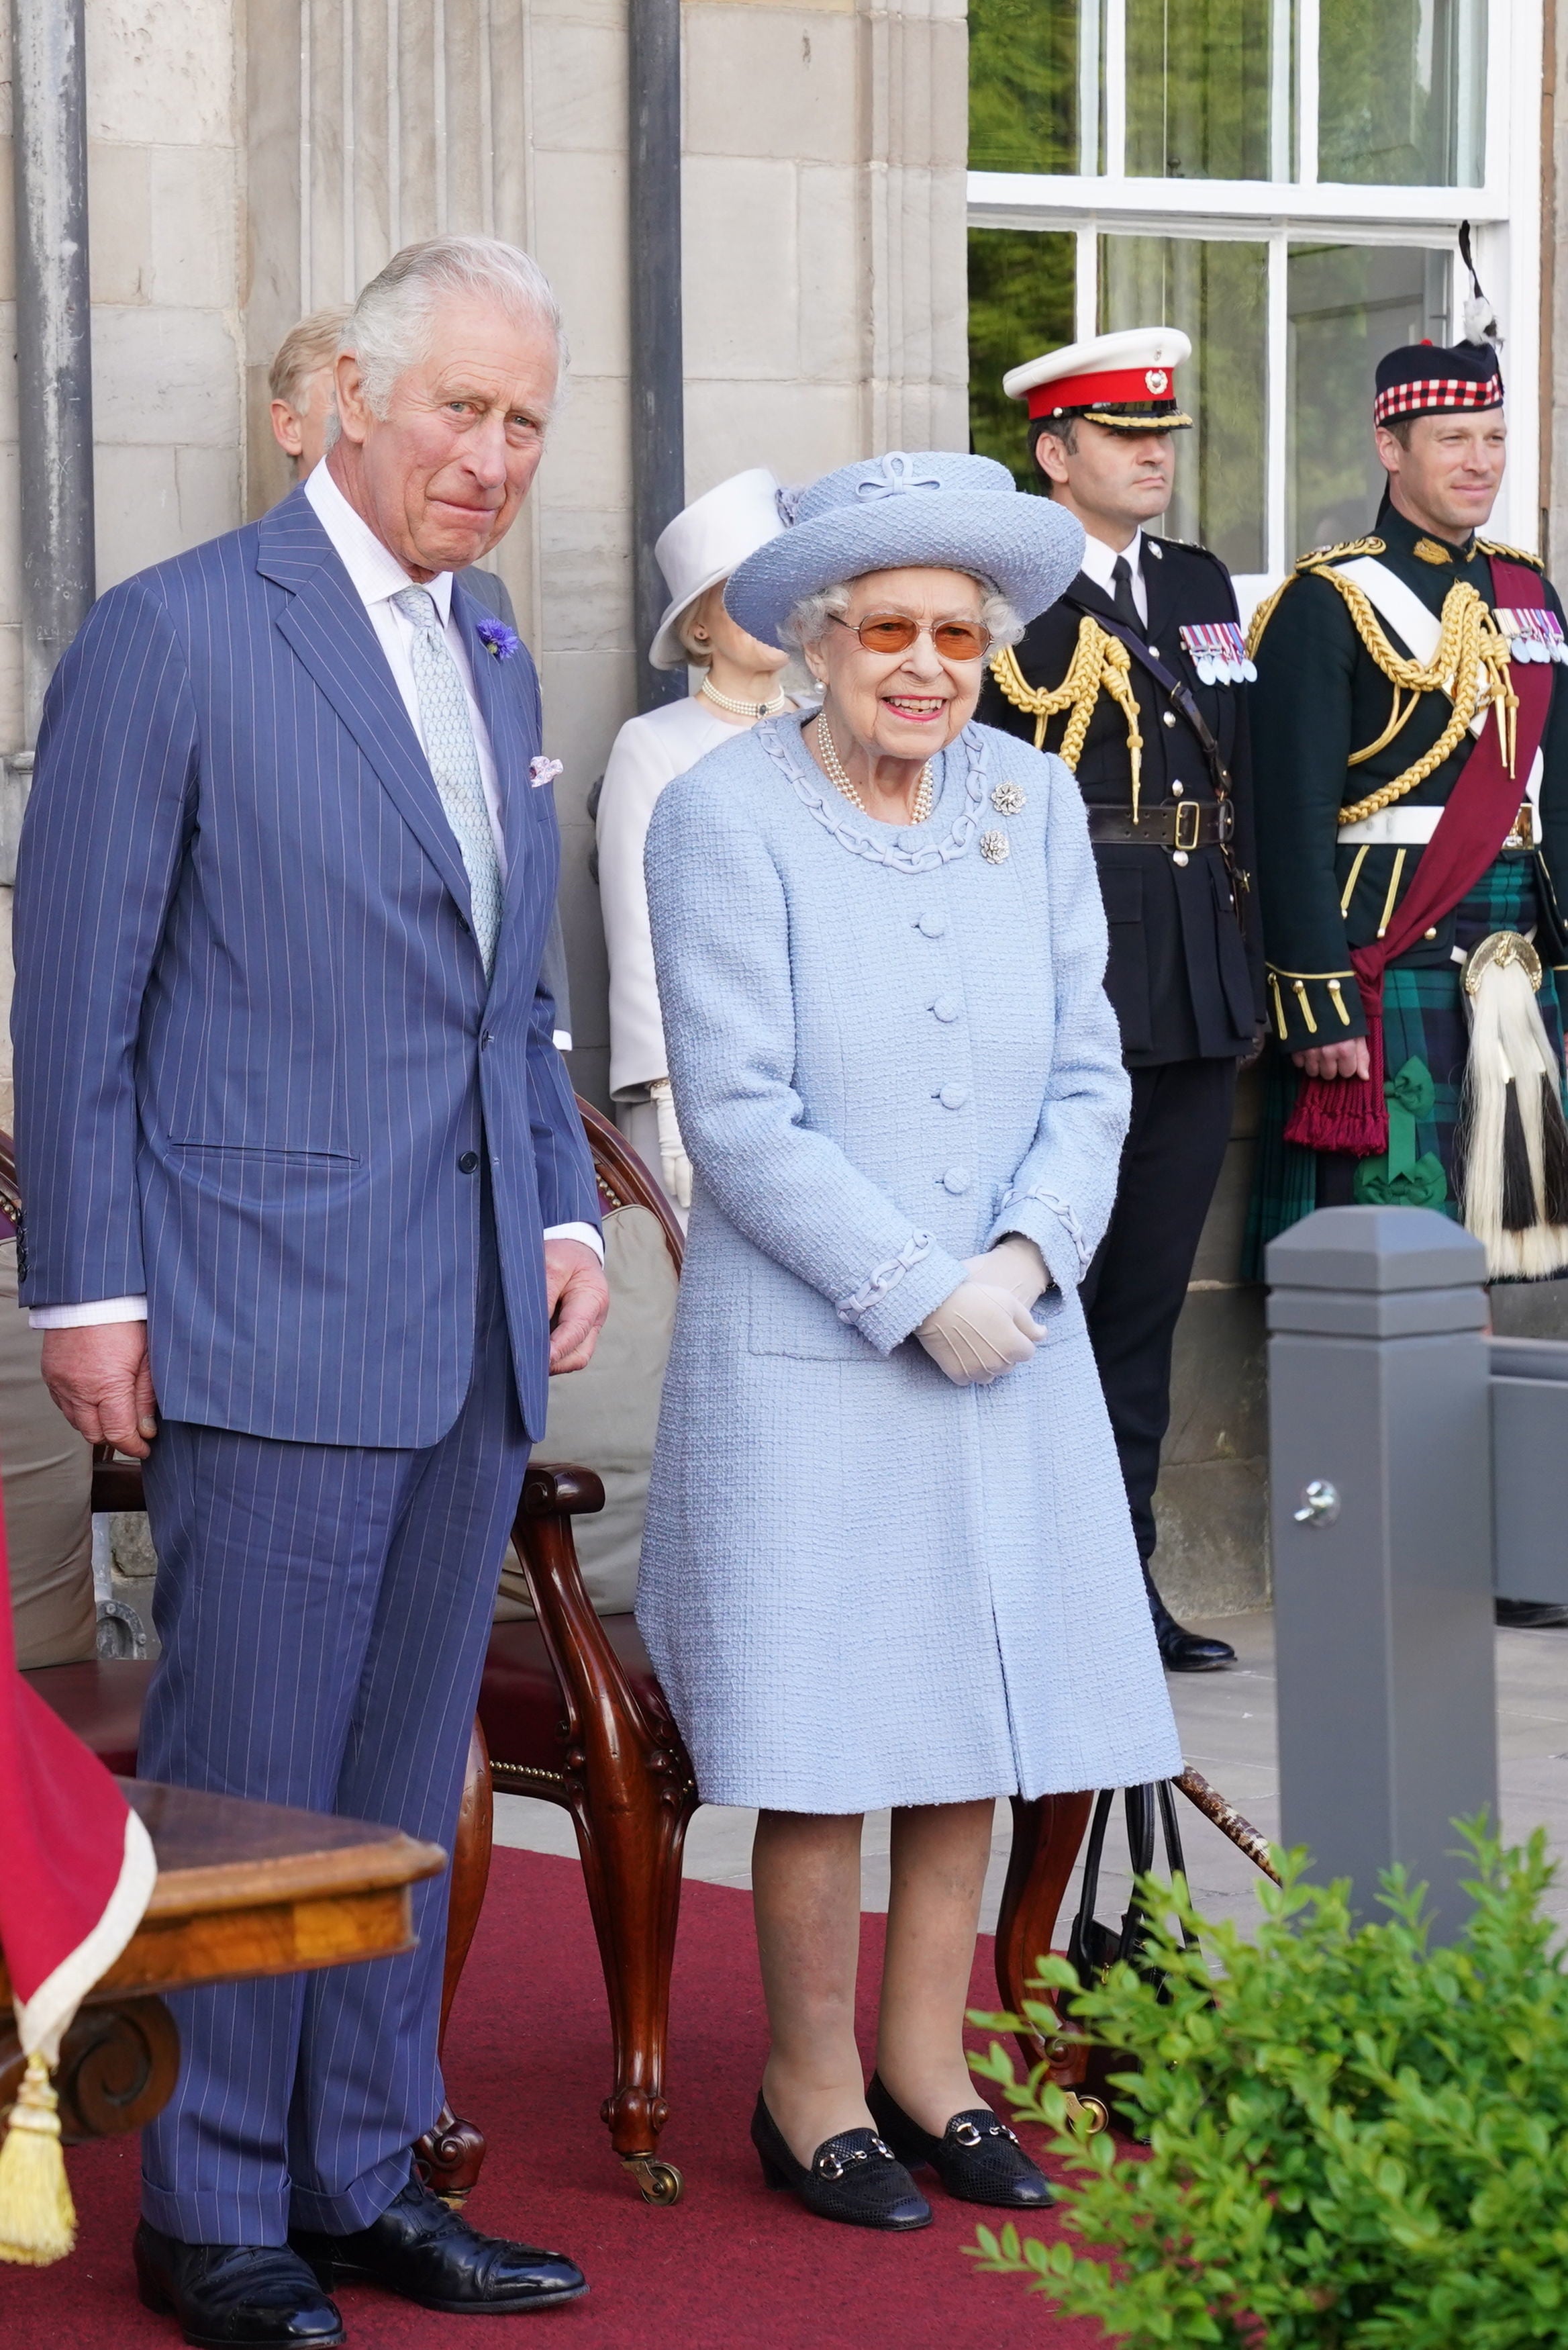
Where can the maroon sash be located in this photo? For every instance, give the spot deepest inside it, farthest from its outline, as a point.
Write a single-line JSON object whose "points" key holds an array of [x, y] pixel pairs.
{"points": [[1350, 1114]]}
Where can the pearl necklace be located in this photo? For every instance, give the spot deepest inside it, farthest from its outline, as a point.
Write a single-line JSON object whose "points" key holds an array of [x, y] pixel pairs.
{"points": [[744, 709], [925, 790]]}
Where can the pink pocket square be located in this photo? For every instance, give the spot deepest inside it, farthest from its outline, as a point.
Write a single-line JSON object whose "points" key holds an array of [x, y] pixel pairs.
{"points": [[543, 771]]}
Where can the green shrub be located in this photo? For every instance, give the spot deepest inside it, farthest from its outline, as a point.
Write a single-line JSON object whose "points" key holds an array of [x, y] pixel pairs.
{"points": [[1355, 2140]]}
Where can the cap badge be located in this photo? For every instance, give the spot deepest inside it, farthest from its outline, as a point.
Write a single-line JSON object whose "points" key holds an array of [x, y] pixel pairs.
{"points": [[1158, 381]]}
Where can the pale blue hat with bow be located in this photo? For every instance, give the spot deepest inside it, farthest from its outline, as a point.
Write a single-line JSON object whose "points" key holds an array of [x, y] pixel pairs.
{"points": [[938, 507]]}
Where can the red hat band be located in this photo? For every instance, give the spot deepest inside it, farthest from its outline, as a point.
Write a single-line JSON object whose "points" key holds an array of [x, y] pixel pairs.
{"points": [[1109, 387]]}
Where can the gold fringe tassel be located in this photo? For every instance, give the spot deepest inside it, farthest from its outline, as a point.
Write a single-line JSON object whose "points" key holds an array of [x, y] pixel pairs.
{"points": [[38, 2218]]}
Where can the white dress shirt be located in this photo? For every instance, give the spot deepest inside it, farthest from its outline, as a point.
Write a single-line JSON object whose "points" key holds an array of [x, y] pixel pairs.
{"points": [[1099, 559], [377, 576]]}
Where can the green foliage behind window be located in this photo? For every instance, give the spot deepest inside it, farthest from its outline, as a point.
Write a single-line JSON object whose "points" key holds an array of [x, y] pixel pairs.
{"points": [[1198, 88], [1023, 86], [1020, 303]]}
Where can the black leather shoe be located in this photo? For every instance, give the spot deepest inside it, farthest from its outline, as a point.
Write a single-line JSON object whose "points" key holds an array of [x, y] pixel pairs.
{"points": [[977, 2158], [1530, 1615], [235, 2296], [1181, 1651], [855, 2176], [427, 2254]]}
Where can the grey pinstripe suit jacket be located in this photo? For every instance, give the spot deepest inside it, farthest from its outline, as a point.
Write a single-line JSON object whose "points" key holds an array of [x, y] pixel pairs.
{"points": [[253, 1043]]}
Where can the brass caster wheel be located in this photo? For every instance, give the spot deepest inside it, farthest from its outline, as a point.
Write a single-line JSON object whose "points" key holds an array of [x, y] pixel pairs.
{"points": [[658, 2182], [1086, 2114]]}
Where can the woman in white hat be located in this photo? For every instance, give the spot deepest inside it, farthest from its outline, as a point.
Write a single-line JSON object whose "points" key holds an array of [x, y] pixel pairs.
{"points": [[740, 684]]}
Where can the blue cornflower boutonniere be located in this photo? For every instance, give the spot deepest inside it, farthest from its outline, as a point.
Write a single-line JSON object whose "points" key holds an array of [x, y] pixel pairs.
{"points": [[497, 638]]}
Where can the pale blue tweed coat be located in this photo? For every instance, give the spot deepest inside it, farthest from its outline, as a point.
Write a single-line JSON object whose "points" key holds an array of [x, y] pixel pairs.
{"points": [[862, 1585]]}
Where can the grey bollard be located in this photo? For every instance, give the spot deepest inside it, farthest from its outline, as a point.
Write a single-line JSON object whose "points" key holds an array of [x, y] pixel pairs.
{"points": [[1380, 1485]]}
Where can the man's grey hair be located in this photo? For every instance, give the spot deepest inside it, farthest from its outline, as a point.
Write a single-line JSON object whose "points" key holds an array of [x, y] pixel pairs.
{"points": [[390, 327], [807, 624]]}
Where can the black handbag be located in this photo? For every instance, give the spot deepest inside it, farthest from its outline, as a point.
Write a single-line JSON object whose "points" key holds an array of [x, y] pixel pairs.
{"points": [[1094, 1948]]}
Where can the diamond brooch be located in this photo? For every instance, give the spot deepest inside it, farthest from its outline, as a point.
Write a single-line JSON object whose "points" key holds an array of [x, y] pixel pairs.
{"points": [[995, 847], [1009, 799]]}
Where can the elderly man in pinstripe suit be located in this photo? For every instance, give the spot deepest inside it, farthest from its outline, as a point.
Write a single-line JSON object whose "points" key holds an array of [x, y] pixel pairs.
{"points": [[310, 1219]]}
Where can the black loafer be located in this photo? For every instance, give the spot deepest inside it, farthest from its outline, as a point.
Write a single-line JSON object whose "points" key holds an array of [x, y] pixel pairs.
{"points": [[235, 2296], [1181, 1651], [427, 2254], [977, 2158], [855, 2176]]}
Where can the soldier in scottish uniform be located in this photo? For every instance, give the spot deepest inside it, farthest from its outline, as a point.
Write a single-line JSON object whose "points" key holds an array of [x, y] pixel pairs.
{"points": [[1411, 721], [1134, 677]]}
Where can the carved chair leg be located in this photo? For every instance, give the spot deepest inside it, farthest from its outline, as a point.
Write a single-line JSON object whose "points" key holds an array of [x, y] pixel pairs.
{"points": [[450, 2155], [1046, 1838], [631, 1826]]}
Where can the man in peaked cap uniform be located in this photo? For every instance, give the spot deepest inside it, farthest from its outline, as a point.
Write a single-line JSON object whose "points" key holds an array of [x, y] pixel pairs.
{"points": [[1412, 722], [1133, 678]]}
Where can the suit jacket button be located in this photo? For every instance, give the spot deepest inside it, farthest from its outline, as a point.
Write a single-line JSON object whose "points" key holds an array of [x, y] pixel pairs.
{"points": [[468, 1162], [1170, 716]]}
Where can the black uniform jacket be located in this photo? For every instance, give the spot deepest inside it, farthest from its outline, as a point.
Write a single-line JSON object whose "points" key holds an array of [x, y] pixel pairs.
{"points": [[1319, 697], [1184, 976]]}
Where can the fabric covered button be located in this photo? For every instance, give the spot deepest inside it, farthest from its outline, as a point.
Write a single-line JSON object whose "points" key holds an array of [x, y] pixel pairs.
{"points": [[956, 1179], [946, 1007], [953, 1097], [932, 926]]}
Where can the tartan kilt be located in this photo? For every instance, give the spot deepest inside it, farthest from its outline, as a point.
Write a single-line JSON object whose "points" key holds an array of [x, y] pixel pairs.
{"points": [[1423, 1019]]}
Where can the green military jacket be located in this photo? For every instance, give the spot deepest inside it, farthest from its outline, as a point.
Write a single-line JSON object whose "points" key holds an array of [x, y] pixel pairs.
{"points": [[1319, 698]]}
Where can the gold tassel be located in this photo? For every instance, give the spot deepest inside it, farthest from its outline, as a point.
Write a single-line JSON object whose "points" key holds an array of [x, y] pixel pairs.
{"points": [[38, 2218]]}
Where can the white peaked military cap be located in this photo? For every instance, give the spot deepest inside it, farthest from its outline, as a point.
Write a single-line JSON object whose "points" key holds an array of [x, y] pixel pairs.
{"points": [[1127, 379], [703, 545]]}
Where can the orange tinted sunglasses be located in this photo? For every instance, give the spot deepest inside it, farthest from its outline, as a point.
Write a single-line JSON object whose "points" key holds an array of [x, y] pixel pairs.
{"points": [[895, 632]]}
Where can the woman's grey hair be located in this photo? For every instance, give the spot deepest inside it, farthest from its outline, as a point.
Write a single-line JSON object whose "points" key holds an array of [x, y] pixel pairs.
{"points": [[389, 327], [807, 624]]}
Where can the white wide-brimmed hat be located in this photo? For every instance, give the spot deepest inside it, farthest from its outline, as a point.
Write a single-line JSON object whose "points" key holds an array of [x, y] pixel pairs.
{"points": [[703, 545], [887, 513]]}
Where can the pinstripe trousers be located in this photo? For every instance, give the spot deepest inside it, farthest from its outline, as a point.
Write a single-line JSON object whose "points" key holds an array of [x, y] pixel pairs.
{"points": [[323, 1611]]}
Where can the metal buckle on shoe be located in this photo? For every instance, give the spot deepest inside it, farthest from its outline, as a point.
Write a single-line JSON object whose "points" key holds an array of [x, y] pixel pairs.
{"points": [[823, 2170], [966, 2133], [1185, 808]]}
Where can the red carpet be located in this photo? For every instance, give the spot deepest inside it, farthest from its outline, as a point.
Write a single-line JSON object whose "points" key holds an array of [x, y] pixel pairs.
{"points": [[730, 2267]]}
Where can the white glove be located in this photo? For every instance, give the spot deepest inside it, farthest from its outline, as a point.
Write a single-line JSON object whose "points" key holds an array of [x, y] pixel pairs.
{"points": [[1014, 1264], [672, 1158], [977, 1333]]}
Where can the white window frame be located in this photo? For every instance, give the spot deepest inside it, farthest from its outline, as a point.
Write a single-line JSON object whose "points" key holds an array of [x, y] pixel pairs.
{"points": [[1504, 213]]}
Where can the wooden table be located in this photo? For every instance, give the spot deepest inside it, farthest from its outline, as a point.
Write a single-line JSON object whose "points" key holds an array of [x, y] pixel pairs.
{"points": [[243, 1889]]}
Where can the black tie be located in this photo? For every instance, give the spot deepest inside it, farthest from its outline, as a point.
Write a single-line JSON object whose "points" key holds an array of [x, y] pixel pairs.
{"points": [[1122, 593]]}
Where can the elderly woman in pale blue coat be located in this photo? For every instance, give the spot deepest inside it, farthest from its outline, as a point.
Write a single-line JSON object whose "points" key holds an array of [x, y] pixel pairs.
{"points": [[888, 1559]]}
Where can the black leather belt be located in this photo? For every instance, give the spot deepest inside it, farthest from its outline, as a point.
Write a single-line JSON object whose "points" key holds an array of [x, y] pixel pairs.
{"points": [[1176, 824]]}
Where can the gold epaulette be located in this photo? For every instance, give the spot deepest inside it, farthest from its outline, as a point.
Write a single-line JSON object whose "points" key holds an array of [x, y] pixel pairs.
{"points": [[1315, 559], [1370, 544], [1510, 554], [1099, 661]]}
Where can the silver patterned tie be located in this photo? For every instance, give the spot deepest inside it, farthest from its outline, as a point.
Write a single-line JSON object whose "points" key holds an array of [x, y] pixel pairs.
{"points": [[453, 758]]}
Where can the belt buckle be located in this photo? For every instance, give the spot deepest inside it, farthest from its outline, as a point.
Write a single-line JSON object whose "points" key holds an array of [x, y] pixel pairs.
{"points": [[1522, 834], [1189, 808]]}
